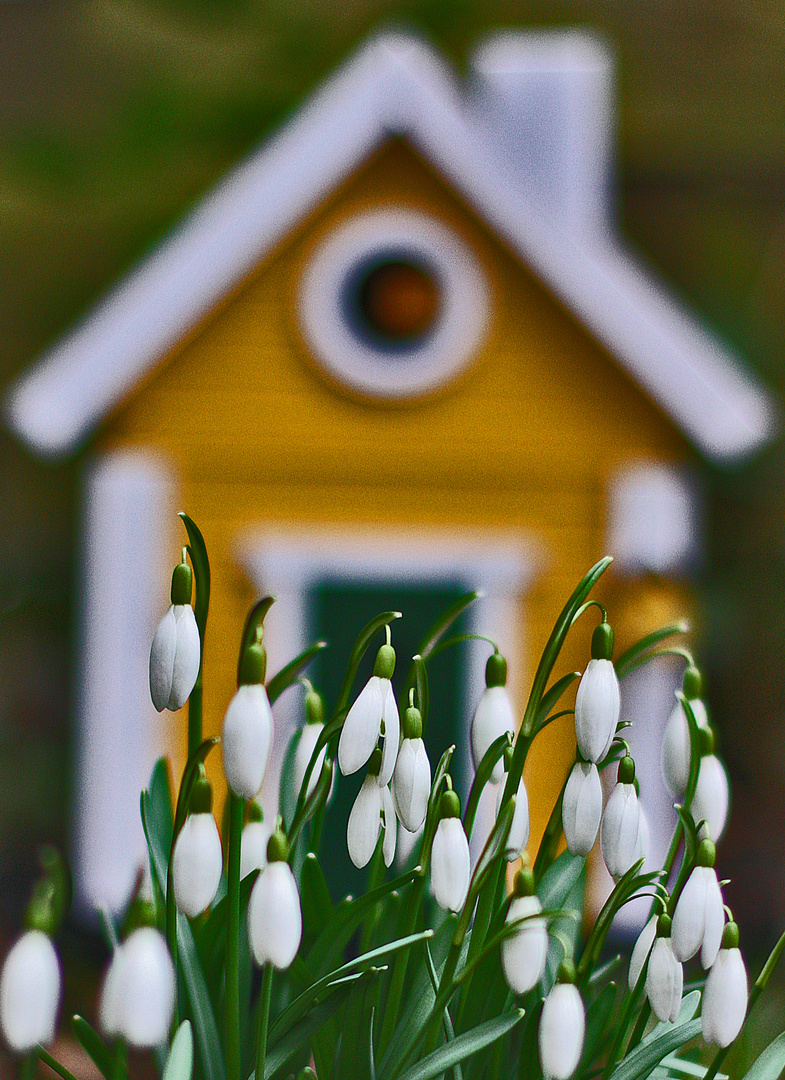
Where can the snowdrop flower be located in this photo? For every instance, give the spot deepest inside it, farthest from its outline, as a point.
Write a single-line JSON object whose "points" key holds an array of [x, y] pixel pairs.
{"points": [[597, 702], [248, 727], [582, 807], [175, 654], [493, 716], [712, 795], [197, 862], [138, 994], [30, 992], [275, 923], [374, 713], [675, 751], [373, 811], [411, 787], [306, 744], [699, 916], [725, 995], [641, 950], [450, 865], [525, 951], [518, 836], [623, 832], [664, 977], [562, 1027], [253, 845]]}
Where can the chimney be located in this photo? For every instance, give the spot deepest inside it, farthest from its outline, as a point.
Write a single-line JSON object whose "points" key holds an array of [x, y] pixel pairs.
{"points": [[546, 101]]}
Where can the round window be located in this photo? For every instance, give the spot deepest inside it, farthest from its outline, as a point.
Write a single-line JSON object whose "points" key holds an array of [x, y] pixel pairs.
{"points": [[393, 304]]}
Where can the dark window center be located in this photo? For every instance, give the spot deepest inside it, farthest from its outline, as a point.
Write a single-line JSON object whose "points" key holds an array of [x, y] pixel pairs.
{"points": [[393, 302]]}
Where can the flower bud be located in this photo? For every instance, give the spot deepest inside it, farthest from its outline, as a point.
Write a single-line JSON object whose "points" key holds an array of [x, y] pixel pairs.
{"points": [[138, 994], [675, 750], [699, 917], [198, 860], [175, 656], [525, 951], [493, 716], [518, 836], [725, 996], [712, 796], [30, 992], [450, 864], [597, 706], [664, 980], [373, 713], [561, 1031], [246, 741], [582, 807], [275, 923], [411, 786], [623, 833]]}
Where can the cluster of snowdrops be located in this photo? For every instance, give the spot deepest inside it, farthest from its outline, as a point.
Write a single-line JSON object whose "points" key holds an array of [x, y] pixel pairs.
{"points": [[236, 964]]}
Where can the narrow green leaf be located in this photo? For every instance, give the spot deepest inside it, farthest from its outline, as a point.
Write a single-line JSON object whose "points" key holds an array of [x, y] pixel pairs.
{"points": [[462, 1047], [481, 778], [201, 564], [682, 1067], [54, 1064], [291, 671], [93, 1045], [180, 1062], [446, 620], [663, 1040], [560, 879], [771, 1062], [551, 696], [597, 1017], [317, 907], [421, 685], [190, 774], [624, 662], [160, 811]]}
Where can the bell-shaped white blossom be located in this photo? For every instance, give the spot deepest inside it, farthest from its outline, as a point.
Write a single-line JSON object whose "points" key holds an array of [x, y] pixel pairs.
{"points": [[174, 658], [375, 712], [450, 864], [518, 836], [562, 1027], [492, 718], [275, 923], [373, 811], [623, 831], [597, 706], [138, 994], [582, 807], [30, 992], [525, 951], [724, 998], [247, 738], [699, 917], [411, 785], [664, 981], [675, 749], [253, 847], [197, 864], [641, 950], [712, 796], [306, 744]]}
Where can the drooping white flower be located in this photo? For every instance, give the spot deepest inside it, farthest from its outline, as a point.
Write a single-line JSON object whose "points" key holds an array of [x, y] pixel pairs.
{"points": [[524, 953], [253, 845], [664, 979], [411, 785], [676, 746], [138, 994], [275, 923], [699, 916], [493, 716], [197, 861], [175, 654], [582, 807], [561, 1031], [373, 810], [725, 996], [623, 832], [248, 731], [30, 992], [518, 836], [597, 706], [374, 713], [641, 951], [450, 863], [712, 796]]}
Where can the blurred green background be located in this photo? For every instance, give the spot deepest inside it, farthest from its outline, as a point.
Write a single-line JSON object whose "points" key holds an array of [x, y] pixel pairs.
{"points": [[116, 115]]}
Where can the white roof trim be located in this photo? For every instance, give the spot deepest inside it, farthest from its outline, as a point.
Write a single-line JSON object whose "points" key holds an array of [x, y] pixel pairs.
{"points": [[394, 85]]}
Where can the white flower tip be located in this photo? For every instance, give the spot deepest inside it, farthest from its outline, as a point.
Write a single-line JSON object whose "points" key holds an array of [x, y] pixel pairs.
{"points": [[30, 992], [274, 917]]}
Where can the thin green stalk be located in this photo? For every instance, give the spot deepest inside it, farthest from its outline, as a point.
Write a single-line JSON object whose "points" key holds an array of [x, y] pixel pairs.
{"points": [[54, 1065], [410, 909], [195, 715], [614, 1054], [232, 997], [486, 905], [171, 932], [376, 874], [264, 1019], [27, 1066], [640, 1027]]}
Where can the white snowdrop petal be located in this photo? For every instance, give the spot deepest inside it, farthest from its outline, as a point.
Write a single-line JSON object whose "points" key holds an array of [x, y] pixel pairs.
{"points": [[492, 718], [620, 831], [306, 744], [360, 731], [147, 988], [518, 836], [392, 732], [197, 864], [675, 749], [582, 807], [246, 740], [725, 998], [641, 950], [30, 992], [712, 796], [524, 953], [275, 923], [412, 784], [597, 706], [561, 1031], [253, 847], [109, 1005], [162, 654], [390, 827], [664, 981], [186, 657], [689, 918], [450, 865], [362, 830], [714, 921]]}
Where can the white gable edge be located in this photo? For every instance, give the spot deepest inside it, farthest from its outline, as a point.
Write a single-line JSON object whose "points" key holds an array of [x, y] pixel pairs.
{"points": [[394, 85]]}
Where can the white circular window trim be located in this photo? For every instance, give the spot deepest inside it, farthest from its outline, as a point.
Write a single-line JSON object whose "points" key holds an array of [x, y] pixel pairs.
{"points": [[447, 349]]}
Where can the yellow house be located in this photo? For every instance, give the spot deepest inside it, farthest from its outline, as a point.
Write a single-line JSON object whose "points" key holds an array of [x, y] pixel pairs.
{"points": [[400, 346]]}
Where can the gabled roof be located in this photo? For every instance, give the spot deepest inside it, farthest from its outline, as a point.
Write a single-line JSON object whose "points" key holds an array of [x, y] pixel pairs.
{"points": [[395, 85]]}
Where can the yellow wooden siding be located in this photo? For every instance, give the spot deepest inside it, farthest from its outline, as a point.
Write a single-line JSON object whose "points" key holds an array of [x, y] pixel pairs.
{"points": [[525, 439]]}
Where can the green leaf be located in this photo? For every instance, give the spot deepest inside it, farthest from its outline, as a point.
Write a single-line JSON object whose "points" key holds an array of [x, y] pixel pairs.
{"points": [[201, 564], [421, 686], [771, 1062], [289, 674], [180, 1063], [560, 879], [663, 1040], [481, 778], [597, 1016], [93, 1045], [626, 662], [317, 907], [445, 621], [53, 1064], [462, 1047], [160, 813], [550, 697]]}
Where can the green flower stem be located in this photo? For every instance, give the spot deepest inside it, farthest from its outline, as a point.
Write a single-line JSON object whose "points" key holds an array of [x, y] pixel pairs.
{"points": [[546, 852], [640, 1027], [171, 933], [486, 905], [27, 1066], [622, 663], [264, 1019], [376, 874], [622, 1027], [410, 910], [232, 997], [195, 715]]}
